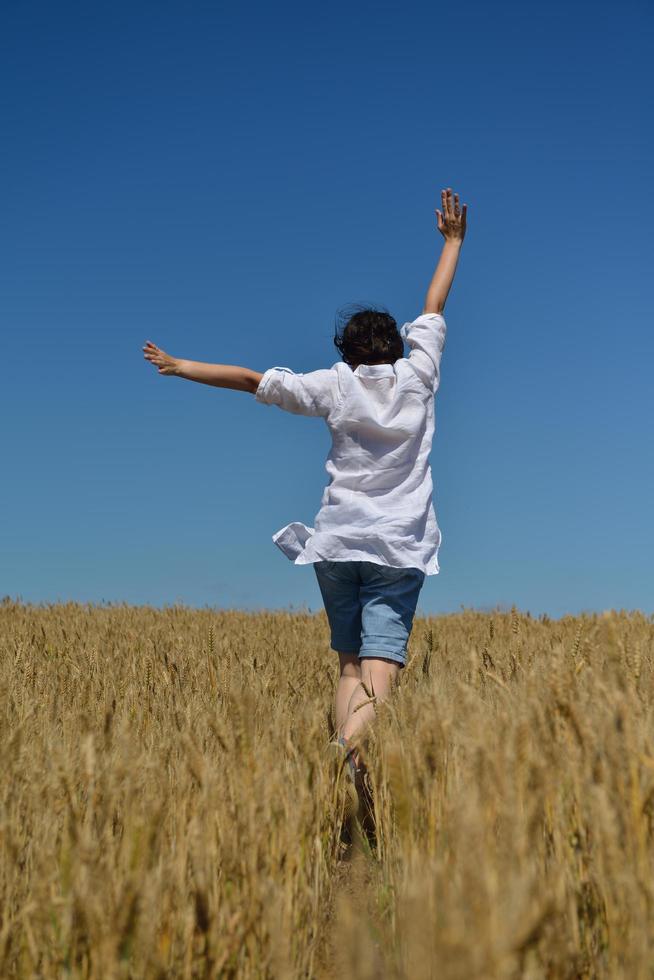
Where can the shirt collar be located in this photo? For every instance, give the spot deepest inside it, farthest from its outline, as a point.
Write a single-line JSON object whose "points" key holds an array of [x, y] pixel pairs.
{"points": [[374, 370]]}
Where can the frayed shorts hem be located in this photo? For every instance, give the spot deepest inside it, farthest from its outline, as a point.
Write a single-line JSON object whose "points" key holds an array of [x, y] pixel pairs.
{"points": [[383, 654]]}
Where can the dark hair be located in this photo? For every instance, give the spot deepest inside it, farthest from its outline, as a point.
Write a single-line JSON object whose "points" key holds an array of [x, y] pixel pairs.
{"points": [[365, 335]]}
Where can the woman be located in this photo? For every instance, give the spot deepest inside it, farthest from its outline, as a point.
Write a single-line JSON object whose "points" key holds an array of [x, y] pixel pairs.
{"points": [[376, 536]]}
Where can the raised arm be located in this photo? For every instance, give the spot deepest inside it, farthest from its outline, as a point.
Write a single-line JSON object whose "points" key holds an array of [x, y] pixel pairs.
{"points": [[452, 226], [218, 375]]}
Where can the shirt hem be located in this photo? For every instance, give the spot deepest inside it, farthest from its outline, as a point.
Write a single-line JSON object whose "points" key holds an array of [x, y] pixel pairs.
{"points": [[297, 542]]}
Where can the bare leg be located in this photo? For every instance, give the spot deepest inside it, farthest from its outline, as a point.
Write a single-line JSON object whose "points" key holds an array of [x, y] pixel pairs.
{"points": [[349, 679], [377, 674]]}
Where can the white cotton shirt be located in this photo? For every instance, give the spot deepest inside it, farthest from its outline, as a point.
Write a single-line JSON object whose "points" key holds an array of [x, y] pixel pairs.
{"points": [[378, 504]]}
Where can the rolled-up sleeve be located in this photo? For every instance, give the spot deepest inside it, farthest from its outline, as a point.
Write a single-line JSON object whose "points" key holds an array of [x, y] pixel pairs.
{"points": [[426, 337], [314, 393]]}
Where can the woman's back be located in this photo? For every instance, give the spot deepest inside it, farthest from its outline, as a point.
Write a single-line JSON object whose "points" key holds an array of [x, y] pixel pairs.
{"points": [[378, 504]]}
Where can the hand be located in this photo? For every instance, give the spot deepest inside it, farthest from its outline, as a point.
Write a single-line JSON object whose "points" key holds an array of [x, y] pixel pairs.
{"points": [[452, 222], [161, 360]]}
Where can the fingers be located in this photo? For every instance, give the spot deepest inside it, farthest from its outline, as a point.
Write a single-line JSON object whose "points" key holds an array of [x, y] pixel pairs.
{"points": [[154, 354], [447, 204], [155, 357], [162, 361], [452, 209]]}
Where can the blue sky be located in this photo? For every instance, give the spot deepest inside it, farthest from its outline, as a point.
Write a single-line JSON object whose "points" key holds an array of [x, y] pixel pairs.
{"points": [[220, 181]]}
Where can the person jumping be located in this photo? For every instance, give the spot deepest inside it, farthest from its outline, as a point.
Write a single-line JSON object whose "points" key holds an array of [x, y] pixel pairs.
{"points": [[375, 537]]}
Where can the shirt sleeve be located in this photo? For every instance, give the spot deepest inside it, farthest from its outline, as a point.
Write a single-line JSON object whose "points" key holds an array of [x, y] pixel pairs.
{"points": [[426, 338], [315, 393]]}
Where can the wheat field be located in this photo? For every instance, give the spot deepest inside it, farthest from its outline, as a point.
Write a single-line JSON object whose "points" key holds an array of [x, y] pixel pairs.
{"points": [[168, 807]]}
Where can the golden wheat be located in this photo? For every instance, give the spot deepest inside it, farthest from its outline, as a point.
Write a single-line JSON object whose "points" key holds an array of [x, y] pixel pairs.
{"points": [[168, 807]]}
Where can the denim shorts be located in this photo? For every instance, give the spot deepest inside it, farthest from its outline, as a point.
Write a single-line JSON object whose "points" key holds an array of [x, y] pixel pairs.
{"points": [[369, 607]]}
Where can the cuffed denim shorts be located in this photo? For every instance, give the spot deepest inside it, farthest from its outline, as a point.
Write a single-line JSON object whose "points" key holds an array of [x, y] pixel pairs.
{"points": [[370, 607]]}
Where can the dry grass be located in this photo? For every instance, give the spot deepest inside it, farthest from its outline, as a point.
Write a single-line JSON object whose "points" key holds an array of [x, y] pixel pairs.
{"points": [[167, 807]]}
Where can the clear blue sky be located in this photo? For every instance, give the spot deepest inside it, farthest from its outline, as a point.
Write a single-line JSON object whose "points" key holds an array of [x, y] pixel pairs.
{"points": [[220, 179]]}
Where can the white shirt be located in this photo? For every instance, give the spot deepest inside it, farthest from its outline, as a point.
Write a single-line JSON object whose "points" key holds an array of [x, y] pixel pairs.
{"points": [[378, 504]]}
